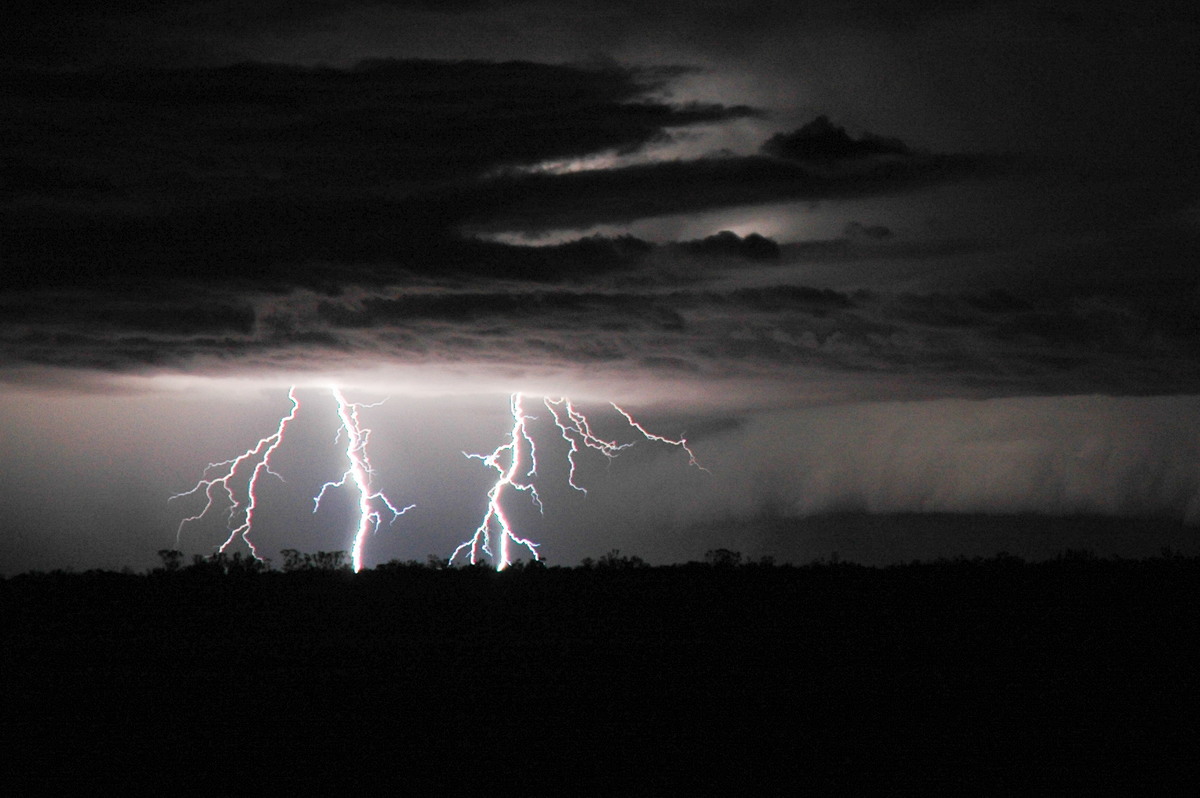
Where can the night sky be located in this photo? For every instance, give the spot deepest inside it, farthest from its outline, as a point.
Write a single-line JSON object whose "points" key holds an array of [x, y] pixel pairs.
{"points": [[923, 261]]}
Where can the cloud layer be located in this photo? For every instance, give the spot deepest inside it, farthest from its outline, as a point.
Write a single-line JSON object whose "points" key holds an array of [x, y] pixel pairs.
{"points": [[258, 216]]}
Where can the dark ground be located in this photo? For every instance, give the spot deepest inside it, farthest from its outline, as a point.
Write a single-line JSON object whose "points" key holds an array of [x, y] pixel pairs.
{"points": [[983, 676]]}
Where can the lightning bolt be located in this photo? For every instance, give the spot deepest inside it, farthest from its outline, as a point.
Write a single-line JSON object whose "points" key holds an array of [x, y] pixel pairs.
{"points": [[650, 436], [260, 456], [514, 461], [371, 503], [511, 476], [574, 428], [577, 423]]}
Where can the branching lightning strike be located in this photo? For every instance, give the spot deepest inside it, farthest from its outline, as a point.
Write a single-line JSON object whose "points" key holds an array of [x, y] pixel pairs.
{"points": [[519, 440], [515, 461], [577, 423], [681, 442], [576, 430], [371, 503], [260, 455]]}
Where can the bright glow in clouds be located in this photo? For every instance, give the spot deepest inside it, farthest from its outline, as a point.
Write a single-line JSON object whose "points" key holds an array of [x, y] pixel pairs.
{"points": [[575, 430]]}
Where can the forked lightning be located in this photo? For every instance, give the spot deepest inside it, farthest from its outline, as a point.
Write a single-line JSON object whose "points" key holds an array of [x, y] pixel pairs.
{"points": [[510, 459]]}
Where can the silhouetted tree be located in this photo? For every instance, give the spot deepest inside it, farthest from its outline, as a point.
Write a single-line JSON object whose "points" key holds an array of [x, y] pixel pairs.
{"points": [[294, 560], [614, 560], [242, 565], [723, 558], [330, 561]]}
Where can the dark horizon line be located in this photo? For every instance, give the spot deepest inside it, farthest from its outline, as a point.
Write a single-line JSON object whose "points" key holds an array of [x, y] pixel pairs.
{"points": [[223, 565]]}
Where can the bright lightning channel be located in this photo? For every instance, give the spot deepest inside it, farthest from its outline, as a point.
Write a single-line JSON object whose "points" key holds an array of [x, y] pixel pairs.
{"points": [[371, 503], [576, 430], [650, 436], [577, 423], [260, 455], [519, 440]]}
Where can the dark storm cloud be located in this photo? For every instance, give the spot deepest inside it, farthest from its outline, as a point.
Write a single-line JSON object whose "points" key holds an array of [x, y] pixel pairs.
{"points": [[266, 176], [77, 33], [272, 178], [511, 310], [820, 141], [387, 126], [585, 198], [255, 216], [277, 246], [876, 243], [122, 313], [729, 244]]}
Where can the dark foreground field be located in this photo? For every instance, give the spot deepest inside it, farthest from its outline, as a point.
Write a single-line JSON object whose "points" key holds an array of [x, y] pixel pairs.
{"points": [[985, 676]]}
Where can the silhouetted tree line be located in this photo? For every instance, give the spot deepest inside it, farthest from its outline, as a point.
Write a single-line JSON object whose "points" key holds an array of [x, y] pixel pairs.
{"points": [[237, 564], [824, 673]]}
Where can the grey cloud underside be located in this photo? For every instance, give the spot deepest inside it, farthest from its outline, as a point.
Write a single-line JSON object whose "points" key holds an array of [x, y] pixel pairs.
{"points": [[991, 343]]}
